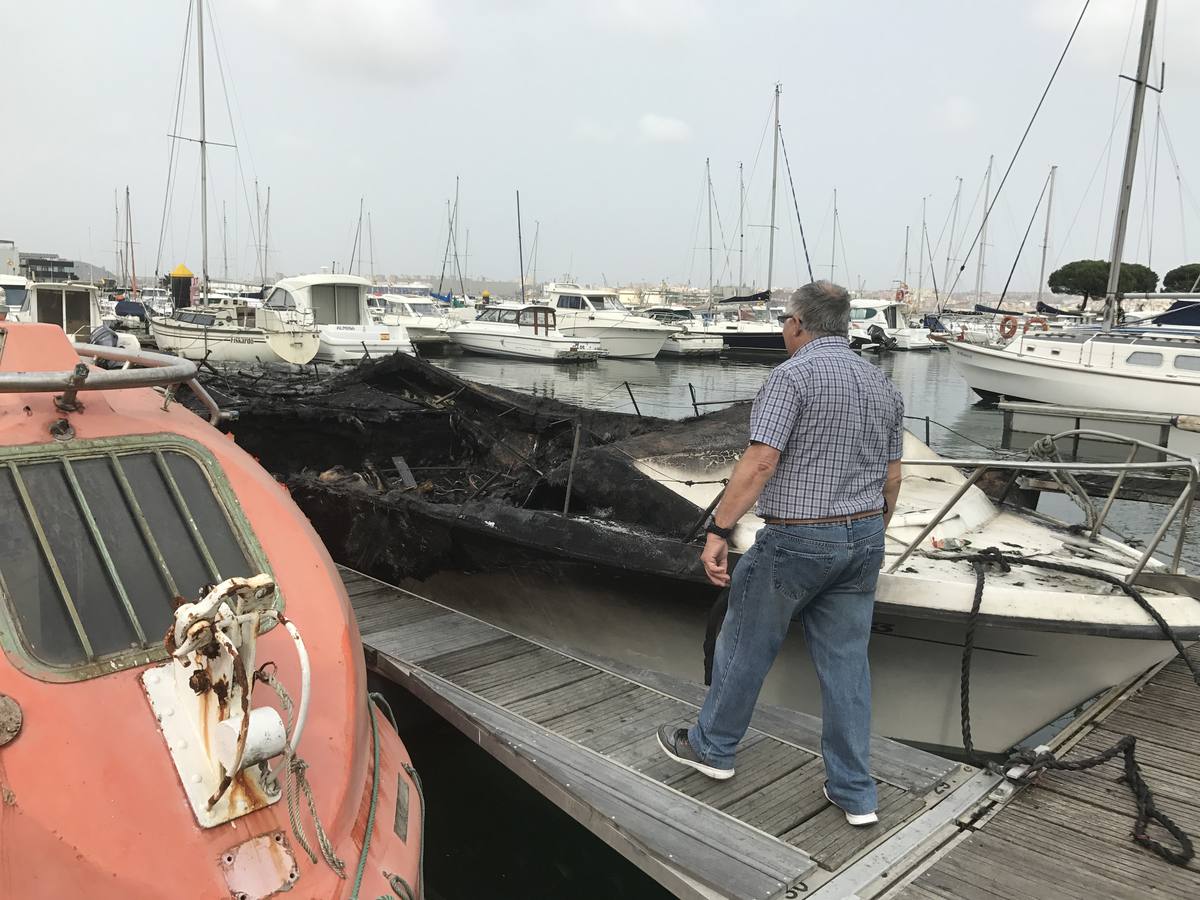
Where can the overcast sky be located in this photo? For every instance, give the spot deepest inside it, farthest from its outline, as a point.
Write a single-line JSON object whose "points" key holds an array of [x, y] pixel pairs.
{"points": [[602, 114]]}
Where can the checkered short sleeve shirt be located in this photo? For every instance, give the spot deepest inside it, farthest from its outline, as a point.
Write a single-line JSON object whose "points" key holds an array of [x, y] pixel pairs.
{"points": [[837, 421]]}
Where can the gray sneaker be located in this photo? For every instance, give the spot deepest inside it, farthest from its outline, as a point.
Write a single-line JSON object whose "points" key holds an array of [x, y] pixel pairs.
{"points": [[858, 820], [674, 742]]}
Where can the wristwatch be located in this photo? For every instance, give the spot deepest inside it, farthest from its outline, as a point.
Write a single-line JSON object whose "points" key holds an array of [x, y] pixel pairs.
{"points": [[713, 528]]}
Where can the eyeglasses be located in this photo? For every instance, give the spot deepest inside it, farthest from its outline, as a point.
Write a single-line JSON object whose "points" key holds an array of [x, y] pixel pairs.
{"points": [[783, 320]]}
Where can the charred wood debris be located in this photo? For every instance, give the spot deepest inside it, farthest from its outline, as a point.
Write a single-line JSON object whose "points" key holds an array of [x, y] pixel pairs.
{"points": [[405, 469]]}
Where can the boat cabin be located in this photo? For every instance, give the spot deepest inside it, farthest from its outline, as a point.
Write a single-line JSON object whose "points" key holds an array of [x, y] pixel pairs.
{"points": [[334, 299], [875, 312], [534, 318], [75, 308], [671, 315], [569, 296], [1134, 352]]}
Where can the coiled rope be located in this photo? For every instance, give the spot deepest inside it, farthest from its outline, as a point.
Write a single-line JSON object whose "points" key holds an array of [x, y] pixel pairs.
{"points": [[1036, 762]]}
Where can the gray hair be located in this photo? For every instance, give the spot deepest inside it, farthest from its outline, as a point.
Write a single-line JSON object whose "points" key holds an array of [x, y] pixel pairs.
{"points": [[823, 307]]}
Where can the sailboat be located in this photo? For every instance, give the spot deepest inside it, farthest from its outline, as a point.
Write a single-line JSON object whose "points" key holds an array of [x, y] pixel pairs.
{"points": [[226, 329], [1147, 370]]}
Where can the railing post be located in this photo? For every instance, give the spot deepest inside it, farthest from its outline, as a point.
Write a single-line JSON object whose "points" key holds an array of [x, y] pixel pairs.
{"points": [[695, 406], [936, 520], [927, 435], [633, 400], [571, 468]]}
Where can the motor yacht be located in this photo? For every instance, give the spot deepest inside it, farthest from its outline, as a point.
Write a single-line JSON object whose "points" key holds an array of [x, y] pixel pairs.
{"points": [[419, 316], [693, 339], [598, 313], [338, 305], [522, 331], [73, 307], [880, 323]]}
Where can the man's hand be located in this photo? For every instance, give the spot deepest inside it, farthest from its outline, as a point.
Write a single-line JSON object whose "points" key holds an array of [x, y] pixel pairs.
{"points": [[715, 560]]}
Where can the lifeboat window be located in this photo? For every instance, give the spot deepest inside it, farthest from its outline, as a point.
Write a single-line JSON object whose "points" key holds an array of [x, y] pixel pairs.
{"points": [[1187, 363], [96, 548], [1144, 358]]}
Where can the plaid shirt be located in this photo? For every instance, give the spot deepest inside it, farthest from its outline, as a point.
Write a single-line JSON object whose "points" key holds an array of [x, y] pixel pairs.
{"points": [[837, 421]]}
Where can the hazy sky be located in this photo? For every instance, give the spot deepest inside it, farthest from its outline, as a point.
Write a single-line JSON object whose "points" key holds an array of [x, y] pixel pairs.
{"points": [[602, 114]]}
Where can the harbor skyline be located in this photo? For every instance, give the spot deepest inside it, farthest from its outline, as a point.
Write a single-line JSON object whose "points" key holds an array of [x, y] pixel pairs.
{"points": [[604, 118]]}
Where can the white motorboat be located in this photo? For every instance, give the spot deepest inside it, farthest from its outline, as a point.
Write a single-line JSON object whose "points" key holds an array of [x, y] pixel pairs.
{"points": [[1144, 370], [225, 330], [1046, 641], [420, 317], [75, 308], [880, 323], [597, 313], [522, 332], [693, 339], [338, 304]]}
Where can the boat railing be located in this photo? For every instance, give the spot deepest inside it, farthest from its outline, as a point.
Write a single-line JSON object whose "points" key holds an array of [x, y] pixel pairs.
{"points": [[1044, 457], [143, 369]]}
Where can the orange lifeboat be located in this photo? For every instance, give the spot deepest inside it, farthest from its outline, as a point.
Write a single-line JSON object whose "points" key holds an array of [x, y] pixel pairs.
{"points": [[133, 766]]}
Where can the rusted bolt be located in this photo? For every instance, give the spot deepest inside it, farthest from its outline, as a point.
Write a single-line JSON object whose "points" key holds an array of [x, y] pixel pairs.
{"points": [[229, 859], [199, 682], [293, 875], [278, 838]]}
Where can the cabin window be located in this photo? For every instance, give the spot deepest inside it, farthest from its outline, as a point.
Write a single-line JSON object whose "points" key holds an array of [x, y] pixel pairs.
{"points": [[280, 299], [488, 315], [16, 296], [96, 546], [606, 301], [859, 315], [423, 309], [508, 316], [335, 304], [1187, 363], [1144, 358], [568, 301]]}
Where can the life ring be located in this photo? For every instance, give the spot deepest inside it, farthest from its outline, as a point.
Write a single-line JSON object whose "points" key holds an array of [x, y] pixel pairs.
{"points": [[1008, 327], [1035, 320]]}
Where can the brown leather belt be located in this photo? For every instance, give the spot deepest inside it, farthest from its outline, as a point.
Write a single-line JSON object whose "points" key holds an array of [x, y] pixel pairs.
{"points": [[825, 520]]}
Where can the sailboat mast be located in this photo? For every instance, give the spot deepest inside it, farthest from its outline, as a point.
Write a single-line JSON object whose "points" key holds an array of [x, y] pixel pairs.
{"points": [[708, 181], [224, 242], [1046, 235], [774, 179], [520, 247], [371, 238], [741, 226], [1131, 151], [203, 153], [904, 283], [953, 227], [921, 255], [266, 236], [129, 237], [987, 199], [537, 228], [116, 236], [833, 252]]}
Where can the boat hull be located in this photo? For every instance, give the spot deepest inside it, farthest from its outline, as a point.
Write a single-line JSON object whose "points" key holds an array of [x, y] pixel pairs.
{"points": [[225, 345], [515, 346], [692, 345], [620, 342], [995, 373], [346, 344]]}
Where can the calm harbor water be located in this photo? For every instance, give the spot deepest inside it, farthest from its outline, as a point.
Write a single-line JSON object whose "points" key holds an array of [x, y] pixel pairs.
{"points": [[487, 829]]}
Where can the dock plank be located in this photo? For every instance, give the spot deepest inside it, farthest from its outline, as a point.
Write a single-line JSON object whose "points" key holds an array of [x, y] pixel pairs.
{"points": [[583, 731]]}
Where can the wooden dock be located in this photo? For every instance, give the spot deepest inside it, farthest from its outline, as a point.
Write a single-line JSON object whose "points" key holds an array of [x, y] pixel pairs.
{"points": [[582, 732], [1068, 835]]}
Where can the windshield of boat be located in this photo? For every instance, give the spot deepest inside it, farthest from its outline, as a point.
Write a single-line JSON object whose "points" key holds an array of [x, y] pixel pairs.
{"points": [[670, 315], [98, 544], [16, 296], [860, 314], [607, 302]]}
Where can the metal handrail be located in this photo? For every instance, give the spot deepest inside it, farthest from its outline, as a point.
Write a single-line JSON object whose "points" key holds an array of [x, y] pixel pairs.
{"points": [[1180, 509], [158, 370]]}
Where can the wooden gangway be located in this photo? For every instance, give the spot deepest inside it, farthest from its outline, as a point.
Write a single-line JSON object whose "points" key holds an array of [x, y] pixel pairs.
{"points": [[581, 730]]}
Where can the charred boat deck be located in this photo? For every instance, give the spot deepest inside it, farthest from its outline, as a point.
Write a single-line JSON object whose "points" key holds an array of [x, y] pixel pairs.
{"points": [[581, 731], [1068, 835]]}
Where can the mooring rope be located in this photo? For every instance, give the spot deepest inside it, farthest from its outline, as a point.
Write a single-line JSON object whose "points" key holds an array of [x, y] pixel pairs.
{"points": [[1037, 762]]}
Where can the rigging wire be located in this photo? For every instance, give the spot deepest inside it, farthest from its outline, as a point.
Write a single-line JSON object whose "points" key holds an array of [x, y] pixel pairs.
{"points": [[796, 203], [1021, 143], [1028, 228], [172, 156]]}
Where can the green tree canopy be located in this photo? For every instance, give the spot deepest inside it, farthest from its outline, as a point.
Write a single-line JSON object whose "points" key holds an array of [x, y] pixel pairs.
{"points": [[1088, 278], [1181, 278]]}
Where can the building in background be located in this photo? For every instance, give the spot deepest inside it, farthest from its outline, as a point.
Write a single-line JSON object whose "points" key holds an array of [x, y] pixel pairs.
{"points": [[46, 267]]}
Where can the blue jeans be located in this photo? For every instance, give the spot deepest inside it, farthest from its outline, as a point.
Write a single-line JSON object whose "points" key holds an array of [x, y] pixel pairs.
{"points": [[825, 575]]}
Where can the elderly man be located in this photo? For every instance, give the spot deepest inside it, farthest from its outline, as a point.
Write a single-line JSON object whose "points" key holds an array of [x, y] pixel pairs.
{"points": [[826, 433]]}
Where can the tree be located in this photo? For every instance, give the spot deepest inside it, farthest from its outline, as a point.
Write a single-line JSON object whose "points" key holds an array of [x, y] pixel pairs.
{"points": [[1182, 278], [1088, 278]]}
